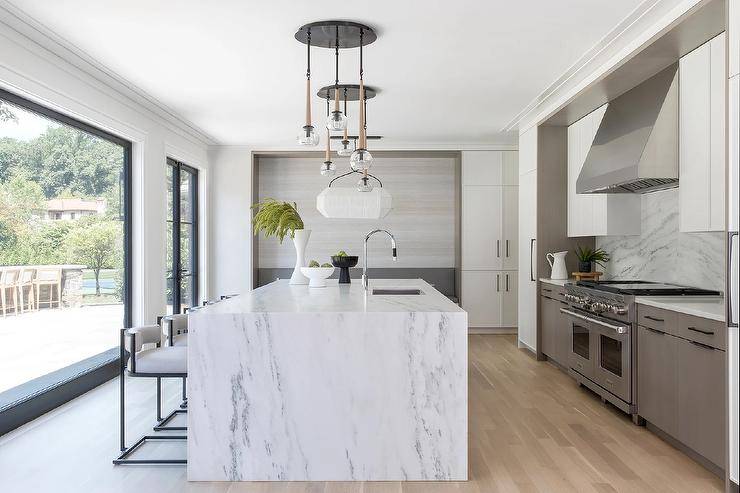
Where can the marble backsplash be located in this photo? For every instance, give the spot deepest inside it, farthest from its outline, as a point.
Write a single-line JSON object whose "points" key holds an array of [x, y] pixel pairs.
{"points": [[662, 253]]}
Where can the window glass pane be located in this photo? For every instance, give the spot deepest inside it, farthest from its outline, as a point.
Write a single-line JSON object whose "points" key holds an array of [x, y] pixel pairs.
{"points": [[186, 197], [186, 292], [186, 248], [62, 238]]}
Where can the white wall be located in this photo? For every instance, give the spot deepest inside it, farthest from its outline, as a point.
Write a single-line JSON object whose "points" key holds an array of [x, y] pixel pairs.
{"points": [[231, 239], [36, 65]]}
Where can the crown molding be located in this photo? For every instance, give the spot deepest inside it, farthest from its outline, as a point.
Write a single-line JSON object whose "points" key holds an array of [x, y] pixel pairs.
{"points": [[113, 84], [648, 21]]}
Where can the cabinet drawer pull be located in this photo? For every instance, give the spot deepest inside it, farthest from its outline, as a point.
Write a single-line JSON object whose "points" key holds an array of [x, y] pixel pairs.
{"points": [[654, 319], [699, 344], [497, 284], [498, 248], [547, 290], [705, 332], [654, 331], [507, 283], [507, 248]]}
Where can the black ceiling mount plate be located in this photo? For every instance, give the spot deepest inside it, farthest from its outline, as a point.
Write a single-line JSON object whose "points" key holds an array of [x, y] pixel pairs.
{"points": [[324, 34], [353, 92]]}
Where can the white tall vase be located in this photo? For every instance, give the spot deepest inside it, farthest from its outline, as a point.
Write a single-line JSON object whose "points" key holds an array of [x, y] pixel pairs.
{"points": [[300, 240]]}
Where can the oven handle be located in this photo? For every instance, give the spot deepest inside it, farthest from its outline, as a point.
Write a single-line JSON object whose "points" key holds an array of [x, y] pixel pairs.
{"points": [[619, 329]]}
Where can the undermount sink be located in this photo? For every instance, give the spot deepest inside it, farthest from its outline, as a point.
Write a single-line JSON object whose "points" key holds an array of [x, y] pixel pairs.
{"points": [[397, 291]]}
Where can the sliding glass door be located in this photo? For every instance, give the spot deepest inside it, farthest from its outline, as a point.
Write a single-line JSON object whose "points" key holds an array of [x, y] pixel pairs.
{"points": [[182, 236], [65, 265]]}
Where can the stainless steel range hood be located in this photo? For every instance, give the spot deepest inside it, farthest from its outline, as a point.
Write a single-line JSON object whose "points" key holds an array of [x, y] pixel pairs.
{"points": [[636, 146]]}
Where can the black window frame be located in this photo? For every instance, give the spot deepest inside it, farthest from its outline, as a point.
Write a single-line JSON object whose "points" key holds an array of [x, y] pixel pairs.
{"points": [[34, 398], [175, 269]]}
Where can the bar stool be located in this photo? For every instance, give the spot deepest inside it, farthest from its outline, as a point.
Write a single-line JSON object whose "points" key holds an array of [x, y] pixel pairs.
{"points": [[26, 283], [175, 333], [158, 362], [8, 283], [51, 277]]}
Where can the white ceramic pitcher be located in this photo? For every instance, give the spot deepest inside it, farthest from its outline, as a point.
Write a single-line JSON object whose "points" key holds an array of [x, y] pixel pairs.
{"points": [[557, 263]]}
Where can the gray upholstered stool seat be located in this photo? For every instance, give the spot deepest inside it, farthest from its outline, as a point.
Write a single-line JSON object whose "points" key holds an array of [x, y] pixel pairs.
{"points": [[162, 360]]}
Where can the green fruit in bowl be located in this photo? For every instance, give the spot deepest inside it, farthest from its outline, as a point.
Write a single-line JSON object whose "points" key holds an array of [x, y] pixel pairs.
{"points": [[341, 253], [326, 264], [313, 263]]}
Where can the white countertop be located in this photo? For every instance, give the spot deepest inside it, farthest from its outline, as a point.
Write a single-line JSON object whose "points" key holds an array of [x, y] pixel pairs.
{"points": [[711, 307], [281, 297], [556, 282]]}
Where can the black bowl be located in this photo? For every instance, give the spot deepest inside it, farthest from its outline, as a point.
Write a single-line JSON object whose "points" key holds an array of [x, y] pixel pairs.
{"points": [[344, 262]]}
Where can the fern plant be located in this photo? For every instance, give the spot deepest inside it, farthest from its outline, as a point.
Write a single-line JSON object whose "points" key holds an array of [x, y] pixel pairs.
{"points": [[276, 218]]}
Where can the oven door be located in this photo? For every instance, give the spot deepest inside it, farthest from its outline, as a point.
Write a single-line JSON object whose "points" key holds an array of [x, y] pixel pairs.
{"points": [[612, 368], [582, 352]]}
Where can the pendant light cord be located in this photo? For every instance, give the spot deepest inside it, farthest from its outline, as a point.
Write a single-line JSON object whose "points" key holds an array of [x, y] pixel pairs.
{"points": [[353, 171], [308, 55], [336, 60]]}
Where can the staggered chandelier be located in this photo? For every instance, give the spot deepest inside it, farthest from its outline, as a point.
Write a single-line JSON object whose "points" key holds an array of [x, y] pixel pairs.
{"points": [[338, 35]]}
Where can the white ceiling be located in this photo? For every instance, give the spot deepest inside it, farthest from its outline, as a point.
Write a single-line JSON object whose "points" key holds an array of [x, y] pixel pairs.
{"points": [[449, 72]]}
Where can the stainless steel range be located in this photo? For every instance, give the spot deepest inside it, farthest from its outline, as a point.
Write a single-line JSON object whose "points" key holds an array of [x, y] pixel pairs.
{"points": [[603, 319]]}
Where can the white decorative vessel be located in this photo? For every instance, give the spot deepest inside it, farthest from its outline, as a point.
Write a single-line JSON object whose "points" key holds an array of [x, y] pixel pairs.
{"points": [[300, 240]]}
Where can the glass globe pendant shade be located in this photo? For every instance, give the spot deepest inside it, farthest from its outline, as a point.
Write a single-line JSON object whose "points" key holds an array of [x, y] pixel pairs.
{"points": [[336, 121], [361, 160], [308, 137], [364, 185], [328, 169], [345, 150]]}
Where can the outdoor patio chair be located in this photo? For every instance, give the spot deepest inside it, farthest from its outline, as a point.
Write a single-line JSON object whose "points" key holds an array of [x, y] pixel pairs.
{"points": [[8, 281], [25, 283], [51, 277], [158, 362]]}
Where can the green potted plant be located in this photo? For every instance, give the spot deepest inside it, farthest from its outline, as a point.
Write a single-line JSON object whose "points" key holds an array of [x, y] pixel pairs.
{"points": [[281, 219], [587, 256]]}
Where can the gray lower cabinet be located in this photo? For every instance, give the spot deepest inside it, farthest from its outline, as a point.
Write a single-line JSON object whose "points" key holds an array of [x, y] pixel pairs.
{"points": [[701, 399], [681, 380], [657, 378], [555, 330]]}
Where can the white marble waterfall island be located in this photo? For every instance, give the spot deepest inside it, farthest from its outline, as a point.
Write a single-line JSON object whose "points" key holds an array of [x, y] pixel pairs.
{"points": [[290, 383]]}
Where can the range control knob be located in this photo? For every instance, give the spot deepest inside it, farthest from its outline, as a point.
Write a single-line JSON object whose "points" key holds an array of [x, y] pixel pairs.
{"points": [[618, 310]]}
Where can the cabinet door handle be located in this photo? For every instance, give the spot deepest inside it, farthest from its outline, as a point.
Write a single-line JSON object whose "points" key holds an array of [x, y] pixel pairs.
{"points": [[654, 319], [507, 283], [732, 279], [654, 331], [498, 248], [507, 248], [705, 332], [531, 255], [703, 346], [547, 290], [497, 282]]}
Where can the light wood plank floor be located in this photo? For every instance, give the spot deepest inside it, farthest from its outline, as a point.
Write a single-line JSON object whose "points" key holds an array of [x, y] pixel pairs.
{"points": [[531, 429]]}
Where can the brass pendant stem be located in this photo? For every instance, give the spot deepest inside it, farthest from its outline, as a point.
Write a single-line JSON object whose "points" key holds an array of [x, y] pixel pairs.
{"points": [[308, 102]]}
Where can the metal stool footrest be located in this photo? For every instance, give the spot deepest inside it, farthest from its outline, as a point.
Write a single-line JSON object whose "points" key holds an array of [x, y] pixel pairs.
{"points": [[162, 425], [123, 458]]}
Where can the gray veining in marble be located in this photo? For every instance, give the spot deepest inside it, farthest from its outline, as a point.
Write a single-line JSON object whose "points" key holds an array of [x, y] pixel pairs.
{"points": [[662, 253], [290, 383]]}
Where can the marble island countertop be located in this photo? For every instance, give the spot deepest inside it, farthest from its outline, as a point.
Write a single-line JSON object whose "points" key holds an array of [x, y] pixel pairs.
{"points": [[711, 307], [281, 297], [291, 383]]}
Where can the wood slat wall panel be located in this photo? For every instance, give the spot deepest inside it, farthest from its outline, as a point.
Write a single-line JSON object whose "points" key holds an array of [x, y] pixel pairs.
{"points": [[423, 218]]}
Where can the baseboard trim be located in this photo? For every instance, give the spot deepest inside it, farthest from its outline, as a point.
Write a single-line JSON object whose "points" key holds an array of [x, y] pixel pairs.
{"points": [[492, 330], [695, 456]]}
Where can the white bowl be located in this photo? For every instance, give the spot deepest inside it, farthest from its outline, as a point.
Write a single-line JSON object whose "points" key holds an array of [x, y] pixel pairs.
{"points": [[317, 275]]}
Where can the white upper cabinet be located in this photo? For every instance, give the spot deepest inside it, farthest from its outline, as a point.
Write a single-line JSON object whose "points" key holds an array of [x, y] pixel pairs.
{"points": [[497, 168], [482, 222], [702, 138], [596, 214]]}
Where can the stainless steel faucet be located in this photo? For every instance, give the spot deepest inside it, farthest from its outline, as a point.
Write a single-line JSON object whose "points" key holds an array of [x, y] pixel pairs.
{"points": [[367, 237]]}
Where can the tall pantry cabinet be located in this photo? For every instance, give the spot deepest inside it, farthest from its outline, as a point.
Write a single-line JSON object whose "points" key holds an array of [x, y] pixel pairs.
{"points": [[489, 238]]}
